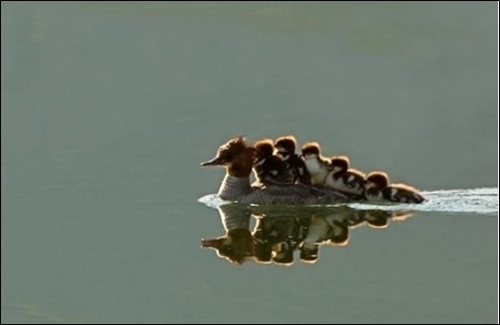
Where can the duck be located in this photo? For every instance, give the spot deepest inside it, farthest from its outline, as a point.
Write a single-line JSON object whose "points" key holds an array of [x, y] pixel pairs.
{"points": [[268, 168], [237, 244], [237, 157], [285, 147], [379, 188], [345, 179], [317, 165]]}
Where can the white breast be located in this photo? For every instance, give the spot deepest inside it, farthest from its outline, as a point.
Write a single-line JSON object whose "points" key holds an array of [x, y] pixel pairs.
{"points": [[393, 194], [312, 165], [317, 171]]}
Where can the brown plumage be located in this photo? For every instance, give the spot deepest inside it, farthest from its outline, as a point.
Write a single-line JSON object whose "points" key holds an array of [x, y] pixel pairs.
{"points": [[237, 156], [317, 165], [343, 178], [268, 168], [379, 188], [295, 166]]}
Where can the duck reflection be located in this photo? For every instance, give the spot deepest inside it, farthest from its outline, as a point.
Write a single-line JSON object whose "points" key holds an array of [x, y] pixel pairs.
{"points": [[280, 231], [237, 245]]}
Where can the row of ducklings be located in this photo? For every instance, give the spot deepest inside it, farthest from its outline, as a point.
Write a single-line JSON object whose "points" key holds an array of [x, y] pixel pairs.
{"points": [[278, 163]]}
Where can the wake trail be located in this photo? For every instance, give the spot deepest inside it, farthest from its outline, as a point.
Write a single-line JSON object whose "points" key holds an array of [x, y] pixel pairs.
{"points": [[478, 200]]}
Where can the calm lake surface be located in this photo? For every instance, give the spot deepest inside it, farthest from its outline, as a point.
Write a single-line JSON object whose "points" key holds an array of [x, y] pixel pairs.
{"points": [[109, 108]]}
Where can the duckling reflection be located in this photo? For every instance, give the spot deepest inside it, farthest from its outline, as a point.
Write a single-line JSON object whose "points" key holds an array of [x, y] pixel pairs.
{"points": [[280, 233], [278, 237]]}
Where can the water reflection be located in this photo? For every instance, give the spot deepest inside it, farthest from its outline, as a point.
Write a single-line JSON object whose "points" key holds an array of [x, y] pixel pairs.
{"points": [[281, 231]]}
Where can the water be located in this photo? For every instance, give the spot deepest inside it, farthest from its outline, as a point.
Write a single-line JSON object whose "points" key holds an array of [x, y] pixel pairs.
{"points": [[108, 109]]}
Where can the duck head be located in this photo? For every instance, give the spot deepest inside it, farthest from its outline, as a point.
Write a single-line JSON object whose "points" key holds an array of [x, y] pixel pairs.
{"points": [[236, 155]]}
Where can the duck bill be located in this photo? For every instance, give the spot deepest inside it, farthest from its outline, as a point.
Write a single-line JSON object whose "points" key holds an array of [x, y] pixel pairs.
{"points": [[212, 243], [214, 162]]}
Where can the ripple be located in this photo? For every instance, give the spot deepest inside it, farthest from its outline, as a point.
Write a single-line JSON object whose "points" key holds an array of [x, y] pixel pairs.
{"points": [[479, 200], [212, 201]]}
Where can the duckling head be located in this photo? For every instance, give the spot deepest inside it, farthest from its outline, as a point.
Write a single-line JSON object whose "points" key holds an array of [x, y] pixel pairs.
{"points": [[264, 148], [377, 179], [285, 145], [339, 163], [311, 150]]}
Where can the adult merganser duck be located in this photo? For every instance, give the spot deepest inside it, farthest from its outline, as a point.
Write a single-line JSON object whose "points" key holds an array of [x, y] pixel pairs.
{"points": [[237, 156], [378, 188], [317, 165], [294, 164]]}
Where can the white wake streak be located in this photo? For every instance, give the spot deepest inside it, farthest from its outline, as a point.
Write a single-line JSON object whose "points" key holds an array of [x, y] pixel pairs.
{"points": [[479, 200]]}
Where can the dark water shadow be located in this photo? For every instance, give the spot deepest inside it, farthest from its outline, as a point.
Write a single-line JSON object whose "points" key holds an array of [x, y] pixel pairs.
{"points": [[280, 232]]}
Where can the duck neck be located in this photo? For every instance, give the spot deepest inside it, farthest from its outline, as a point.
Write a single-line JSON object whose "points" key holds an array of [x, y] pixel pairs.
{"points": [[233, 188], [234, 217]]}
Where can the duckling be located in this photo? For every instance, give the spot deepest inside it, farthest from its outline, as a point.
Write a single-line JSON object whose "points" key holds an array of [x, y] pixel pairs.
{"points": [[317, 165], [339, 234], [318, 233], [269, 169], [268, 235], [285, 146], [343, 178], [295, 234], [378, 188]]}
